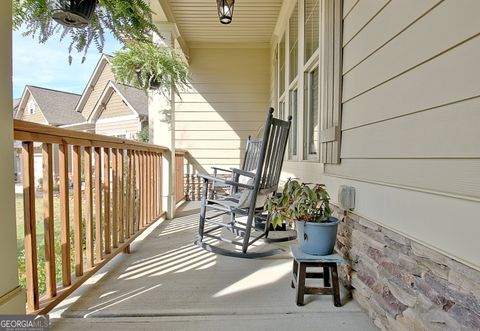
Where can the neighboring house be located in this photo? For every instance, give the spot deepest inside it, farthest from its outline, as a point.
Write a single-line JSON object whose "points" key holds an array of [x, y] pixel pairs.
{"points": [[45, 106], [111, 108], [104, 107]]}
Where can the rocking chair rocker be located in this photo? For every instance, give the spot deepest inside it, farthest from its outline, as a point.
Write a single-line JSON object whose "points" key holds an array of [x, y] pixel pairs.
{"points": [[265, 165]]}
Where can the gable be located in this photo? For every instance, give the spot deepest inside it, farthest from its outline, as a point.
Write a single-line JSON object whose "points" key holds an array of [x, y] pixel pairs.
{"points": [[24, 114], [100, 78], [115, 107]]}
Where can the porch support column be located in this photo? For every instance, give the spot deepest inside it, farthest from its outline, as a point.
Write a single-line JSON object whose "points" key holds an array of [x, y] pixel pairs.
{"points": [[161, 118], [12, 297]]}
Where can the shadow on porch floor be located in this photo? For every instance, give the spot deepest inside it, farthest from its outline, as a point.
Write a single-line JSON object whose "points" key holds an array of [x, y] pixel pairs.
{"points": [[168, 283]]}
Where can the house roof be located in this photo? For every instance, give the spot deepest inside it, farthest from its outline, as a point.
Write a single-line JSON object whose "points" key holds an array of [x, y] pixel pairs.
{"points": [[16, 103], [135, 99], [58, 107]]}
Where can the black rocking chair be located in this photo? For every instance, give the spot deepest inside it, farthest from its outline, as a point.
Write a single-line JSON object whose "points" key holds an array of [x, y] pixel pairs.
{"points": [[248, 196], [250, 162]]}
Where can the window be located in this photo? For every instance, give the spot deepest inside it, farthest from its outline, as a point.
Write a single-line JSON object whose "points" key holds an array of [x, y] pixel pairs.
{"points": [[293, 44], [311, 109], [31, 107], [311, 22], [311, 115], [292, 111], [281, 76], [309, 79]]}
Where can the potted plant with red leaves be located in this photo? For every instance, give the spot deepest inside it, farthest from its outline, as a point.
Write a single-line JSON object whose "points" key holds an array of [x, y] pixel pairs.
{"points": [[308, 205]]}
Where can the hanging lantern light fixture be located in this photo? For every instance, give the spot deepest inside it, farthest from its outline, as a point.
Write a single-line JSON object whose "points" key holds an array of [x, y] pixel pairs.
{"points": [[225, 10]]}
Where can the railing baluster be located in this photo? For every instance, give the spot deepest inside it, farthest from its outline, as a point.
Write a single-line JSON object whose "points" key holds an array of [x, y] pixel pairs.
{"points": [[155, 187], [160, 182], [114, 199], [77, 211], [88, 205], [98, 206], [106, 193], [153, 197], [48, 221], [149, 187], [121, 195], [141, 179], [30, 227], [64, 214], [136, 192], [128, 202]]}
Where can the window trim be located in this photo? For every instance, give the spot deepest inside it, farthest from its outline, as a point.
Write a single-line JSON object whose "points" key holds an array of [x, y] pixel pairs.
{"points": [[307, 156], [294, 129]]}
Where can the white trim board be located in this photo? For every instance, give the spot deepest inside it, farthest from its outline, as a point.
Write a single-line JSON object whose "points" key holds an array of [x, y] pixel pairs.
{"points": [[117, 119]]}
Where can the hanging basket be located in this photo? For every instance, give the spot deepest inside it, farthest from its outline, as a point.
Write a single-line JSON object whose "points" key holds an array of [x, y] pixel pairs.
{"points": [[72, 13], [154, 84]]}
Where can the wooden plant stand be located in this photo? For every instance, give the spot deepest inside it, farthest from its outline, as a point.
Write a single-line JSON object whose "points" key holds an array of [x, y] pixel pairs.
{"points": [[302, 261]]}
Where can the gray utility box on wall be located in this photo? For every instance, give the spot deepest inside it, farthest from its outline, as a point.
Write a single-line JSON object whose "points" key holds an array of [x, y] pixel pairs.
{"points": [[346, 197]]}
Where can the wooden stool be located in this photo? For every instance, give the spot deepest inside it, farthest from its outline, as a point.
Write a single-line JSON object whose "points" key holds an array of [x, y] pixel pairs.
{"points": [[302, 261]]}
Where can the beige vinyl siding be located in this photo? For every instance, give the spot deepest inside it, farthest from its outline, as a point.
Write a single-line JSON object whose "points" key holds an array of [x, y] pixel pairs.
{"points": [[97, 89], [410, 119], [416, 98], [115, 107], [227, 101], [36, 117], [129, 127]]}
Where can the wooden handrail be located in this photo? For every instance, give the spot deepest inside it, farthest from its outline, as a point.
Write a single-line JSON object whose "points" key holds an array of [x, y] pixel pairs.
{"points": [[121, 182], [28, 131]]}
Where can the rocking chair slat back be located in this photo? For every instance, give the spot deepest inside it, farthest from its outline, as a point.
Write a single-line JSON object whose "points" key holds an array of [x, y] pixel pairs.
{"points": [[252, 154], [274, 154]]}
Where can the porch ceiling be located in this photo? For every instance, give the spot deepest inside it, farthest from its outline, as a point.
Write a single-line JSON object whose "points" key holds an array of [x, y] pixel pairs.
{"points": [[253, 21]]}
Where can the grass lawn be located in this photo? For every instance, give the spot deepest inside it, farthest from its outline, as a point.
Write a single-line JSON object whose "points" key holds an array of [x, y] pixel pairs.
{"points": [[40, 237], [39, 217]]}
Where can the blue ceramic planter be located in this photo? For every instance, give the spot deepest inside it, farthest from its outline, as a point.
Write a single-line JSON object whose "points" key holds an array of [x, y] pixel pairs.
{"points": [[317, 238]]}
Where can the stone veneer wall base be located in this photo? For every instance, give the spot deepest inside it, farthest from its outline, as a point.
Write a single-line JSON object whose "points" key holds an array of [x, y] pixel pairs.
{"points": [[404, 285]]}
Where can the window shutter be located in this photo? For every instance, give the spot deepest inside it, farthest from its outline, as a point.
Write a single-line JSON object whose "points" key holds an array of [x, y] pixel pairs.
{"points": [[331, 59]]}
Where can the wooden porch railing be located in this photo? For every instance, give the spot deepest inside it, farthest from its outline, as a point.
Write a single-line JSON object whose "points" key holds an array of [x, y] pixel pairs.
{"points": [[119, 196]]}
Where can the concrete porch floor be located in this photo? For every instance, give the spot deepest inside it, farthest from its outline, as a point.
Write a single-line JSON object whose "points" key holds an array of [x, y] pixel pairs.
{"points": [[167, 283]]}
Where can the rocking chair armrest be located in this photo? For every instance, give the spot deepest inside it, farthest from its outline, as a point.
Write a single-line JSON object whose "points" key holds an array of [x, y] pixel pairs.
{"points": [[223, 181], [243, 173], [221, 169]]}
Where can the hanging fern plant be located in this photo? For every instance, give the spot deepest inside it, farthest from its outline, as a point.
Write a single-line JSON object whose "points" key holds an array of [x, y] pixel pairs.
{"points": [[149, 66], [124, 18]]}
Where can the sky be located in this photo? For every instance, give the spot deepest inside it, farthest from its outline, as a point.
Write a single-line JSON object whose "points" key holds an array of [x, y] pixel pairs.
{"points": [[46, 65]]}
